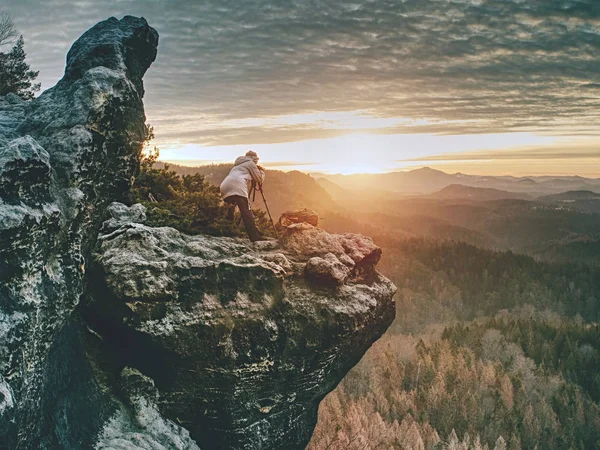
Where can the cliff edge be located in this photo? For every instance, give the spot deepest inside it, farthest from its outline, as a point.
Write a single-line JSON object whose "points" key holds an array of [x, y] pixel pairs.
{"points": [[118, 335]]}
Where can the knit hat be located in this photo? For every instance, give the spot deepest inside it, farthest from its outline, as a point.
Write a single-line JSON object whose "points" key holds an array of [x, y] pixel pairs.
{"points": [[252, 155]]}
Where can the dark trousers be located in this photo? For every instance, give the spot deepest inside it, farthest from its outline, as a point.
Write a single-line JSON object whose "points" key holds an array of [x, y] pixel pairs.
{"points": [[247, 216]]}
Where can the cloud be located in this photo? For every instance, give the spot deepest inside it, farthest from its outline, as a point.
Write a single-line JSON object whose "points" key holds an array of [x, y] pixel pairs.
{"points": [[464, 66]]}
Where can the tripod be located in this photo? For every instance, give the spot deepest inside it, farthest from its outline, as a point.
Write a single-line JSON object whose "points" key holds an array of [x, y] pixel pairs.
{"points": [[259, 188]]}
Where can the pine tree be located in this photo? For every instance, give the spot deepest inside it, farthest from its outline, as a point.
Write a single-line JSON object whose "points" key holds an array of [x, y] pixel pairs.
{"points": [[15, 74], [500, 444]]}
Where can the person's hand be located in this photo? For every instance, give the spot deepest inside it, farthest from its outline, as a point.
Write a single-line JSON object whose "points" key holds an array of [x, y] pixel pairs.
{"points": [[260, 168]]}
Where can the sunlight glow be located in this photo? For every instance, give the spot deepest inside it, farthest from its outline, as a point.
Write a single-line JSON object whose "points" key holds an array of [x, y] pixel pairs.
{"points": [[370, 153]]}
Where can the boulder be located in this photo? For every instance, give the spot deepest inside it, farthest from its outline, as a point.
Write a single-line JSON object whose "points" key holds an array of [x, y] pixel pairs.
{"points": [[361, 249], [355, 251], [327, 271], [305, 240]]}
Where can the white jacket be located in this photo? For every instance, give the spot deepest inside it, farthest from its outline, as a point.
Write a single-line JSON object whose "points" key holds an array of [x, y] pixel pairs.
{"points": [[243, 172]]}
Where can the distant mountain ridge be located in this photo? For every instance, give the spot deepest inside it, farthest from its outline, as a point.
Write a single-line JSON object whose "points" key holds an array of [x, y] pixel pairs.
{"points": [[458, 191], [571, 196], [427, 181], [585, 201], [486, 217]]}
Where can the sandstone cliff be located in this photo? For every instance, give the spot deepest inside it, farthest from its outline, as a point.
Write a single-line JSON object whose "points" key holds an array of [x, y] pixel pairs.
{"points": [[114, 334]]}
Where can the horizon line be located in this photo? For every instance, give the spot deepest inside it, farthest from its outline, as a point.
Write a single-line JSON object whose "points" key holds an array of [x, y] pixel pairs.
{"points": [[279, 168]]}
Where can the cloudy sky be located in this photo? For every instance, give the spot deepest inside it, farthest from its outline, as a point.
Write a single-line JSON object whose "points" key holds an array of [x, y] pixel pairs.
{"points": [[488, 86]]}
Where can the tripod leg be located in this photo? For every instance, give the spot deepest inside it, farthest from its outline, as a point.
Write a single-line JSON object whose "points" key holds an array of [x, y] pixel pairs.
{"points": [[269, 212]]}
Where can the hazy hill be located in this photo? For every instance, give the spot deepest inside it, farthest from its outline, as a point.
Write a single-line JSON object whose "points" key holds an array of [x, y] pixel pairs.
{"points": [[335, 190], [571, 196], [355, 199], [585, 201], [428, 181], [459, 191], [526, 181], [420, 181]]}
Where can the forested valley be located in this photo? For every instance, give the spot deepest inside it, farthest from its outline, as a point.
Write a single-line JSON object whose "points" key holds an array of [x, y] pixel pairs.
{"points": [[488, 350]]}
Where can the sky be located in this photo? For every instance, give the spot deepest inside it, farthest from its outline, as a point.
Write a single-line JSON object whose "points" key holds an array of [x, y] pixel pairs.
{"points": [[477, 86]]}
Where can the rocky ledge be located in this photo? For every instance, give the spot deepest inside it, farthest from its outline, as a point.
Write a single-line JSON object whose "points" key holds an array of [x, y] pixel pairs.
{"points": [[242, 340], [117, 335]]}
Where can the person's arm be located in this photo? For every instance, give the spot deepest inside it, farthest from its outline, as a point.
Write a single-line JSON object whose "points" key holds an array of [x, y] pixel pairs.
{"points": [[258, 174]]}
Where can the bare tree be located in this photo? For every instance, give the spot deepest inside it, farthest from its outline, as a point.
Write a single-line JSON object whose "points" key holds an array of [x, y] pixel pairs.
{"points": [[8, 32]]}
